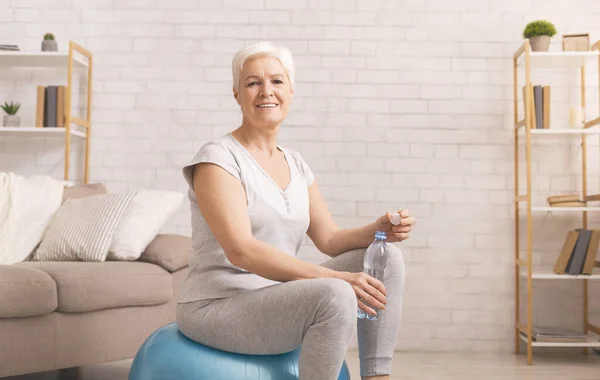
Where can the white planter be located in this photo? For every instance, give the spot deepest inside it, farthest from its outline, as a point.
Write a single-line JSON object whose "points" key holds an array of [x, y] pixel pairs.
{"points": [[11, 121], [49, 45]]}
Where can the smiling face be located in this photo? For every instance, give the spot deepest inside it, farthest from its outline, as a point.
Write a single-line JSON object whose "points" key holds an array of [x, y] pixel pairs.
{"points": [[264, 91]]}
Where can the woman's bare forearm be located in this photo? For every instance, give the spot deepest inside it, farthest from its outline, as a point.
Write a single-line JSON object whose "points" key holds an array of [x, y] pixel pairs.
{"points": [[269, 262], [344, 240]]}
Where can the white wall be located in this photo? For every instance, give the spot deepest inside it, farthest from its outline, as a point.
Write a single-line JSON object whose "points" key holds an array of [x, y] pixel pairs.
{"points": [[398, 104]]}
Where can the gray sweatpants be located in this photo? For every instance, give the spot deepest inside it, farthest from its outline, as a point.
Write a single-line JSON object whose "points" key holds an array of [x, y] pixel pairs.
{"points": [[319, 315]]}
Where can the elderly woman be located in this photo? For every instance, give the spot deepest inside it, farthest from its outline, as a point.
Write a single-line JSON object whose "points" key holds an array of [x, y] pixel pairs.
{"points": [[252, 201]]}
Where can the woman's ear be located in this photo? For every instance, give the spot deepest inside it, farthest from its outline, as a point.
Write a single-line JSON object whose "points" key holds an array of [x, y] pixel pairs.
{"points": [[236, 96]]}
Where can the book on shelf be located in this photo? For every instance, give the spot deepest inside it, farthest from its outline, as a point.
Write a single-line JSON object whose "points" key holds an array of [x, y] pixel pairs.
{"points": [[563, 198], [565, 254], [590, 259], [40, 105], [9, 47], [60, 106], [578, 253], [557, 334], [546, 106], [537, 103], [50, 106], [567, 200], [569, 204]]}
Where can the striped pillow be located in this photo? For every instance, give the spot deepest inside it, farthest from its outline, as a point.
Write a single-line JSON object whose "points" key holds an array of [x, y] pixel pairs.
{"points": [[82, 229]]}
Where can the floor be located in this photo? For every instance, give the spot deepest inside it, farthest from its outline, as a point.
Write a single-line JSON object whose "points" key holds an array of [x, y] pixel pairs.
{"points": [[418, 366]]}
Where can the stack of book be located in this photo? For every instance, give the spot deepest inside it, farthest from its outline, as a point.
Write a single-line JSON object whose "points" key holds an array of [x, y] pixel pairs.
{"points": [[541, 106], [557, 335], [50, 106], [578, 254], [9, 47], [570, 200]]}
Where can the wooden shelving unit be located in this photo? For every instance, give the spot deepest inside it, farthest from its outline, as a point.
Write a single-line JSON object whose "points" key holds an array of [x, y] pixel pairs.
{"points": [[525, 58], [75, 58]]}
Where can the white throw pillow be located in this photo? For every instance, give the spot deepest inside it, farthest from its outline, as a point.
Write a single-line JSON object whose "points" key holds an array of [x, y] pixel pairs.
{"points": [[83, 229], [146, 215], [27, 206]]}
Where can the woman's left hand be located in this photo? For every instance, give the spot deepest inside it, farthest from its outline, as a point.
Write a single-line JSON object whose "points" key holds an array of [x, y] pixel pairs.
{"points": [[396, 233]]}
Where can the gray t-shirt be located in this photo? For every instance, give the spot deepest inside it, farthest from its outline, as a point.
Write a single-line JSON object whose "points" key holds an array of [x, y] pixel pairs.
{"points": [[277, 217]]}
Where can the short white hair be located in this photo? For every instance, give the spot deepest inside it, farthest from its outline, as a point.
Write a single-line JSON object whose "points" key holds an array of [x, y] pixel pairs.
{"points": [[263, 48]]}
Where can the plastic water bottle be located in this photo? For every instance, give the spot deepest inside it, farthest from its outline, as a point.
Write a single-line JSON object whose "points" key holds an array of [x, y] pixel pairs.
{"points": [[374, 264]]}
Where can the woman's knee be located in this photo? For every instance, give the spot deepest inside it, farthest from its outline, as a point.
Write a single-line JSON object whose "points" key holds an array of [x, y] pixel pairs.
{"points": [[395, 265], [339, 298]]}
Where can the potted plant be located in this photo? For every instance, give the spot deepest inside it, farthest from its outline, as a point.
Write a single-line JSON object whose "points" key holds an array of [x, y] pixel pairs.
{"points": [[11, 119], [49, 44], [539, 33]]}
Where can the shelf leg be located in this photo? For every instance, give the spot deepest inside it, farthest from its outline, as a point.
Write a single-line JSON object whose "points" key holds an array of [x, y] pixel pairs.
{"points": [[516, 205], [529, 125], [88, 131], [68, 113], [586, 350]]}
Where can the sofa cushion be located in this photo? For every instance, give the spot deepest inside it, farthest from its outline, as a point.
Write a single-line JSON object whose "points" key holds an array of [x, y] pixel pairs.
{"points": [[170, 251], [83, 229], [26, 292], [89, 286], [145, 216]]}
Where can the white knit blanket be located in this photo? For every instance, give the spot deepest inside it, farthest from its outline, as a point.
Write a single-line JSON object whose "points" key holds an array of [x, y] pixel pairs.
{"points": [[27, 206]]}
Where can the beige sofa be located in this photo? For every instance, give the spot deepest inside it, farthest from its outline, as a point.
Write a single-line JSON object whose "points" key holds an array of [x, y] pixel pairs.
{"points": [[56, 315]]}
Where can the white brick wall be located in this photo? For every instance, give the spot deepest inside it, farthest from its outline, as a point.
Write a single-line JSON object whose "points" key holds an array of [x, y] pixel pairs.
{"points": [[398, 104]]}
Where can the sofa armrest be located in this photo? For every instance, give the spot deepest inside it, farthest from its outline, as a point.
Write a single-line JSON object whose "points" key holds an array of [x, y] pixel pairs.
{"points": [[169, 251]]}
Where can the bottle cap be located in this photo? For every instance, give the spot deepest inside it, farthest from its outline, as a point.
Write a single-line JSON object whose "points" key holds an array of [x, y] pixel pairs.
{"points": [[396, 219], [380, 235]]}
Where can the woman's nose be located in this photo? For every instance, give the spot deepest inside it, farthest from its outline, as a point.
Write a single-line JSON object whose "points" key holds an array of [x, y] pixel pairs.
{"points": [[266, 91]]}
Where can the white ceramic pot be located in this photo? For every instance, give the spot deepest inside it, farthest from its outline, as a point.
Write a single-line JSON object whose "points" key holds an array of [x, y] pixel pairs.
{"points": [[12, 121], [49, 45]]}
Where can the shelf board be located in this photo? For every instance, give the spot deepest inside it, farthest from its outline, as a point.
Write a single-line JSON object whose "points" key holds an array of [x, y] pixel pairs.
{"points": [[548, 275], [560, 60], [591, 342], [39, 59], [565, 131], [38, 132], [562, 209]]}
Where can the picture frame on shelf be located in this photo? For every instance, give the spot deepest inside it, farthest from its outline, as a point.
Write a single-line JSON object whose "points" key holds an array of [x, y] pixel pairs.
{"points": [[576, 42]]}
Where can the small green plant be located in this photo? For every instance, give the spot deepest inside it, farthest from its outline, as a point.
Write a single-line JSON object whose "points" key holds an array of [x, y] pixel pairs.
{"points": [[11, 108], [539, 28], [49, 36]]}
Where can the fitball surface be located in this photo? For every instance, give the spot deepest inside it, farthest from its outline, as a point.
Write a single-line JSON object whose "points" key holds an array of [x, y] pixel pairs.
{"points": [[168, 354]]}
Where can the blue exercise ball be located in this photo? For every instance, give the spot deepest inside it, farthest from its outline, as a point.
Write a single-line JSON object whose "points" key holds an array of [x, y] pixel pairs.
{"points": [[168, 354]]}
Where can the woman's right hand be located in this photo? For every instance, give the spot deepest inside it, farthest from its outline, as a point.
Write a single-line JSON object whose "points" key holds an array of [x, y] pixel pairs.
{"points": [[369, 290]]}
